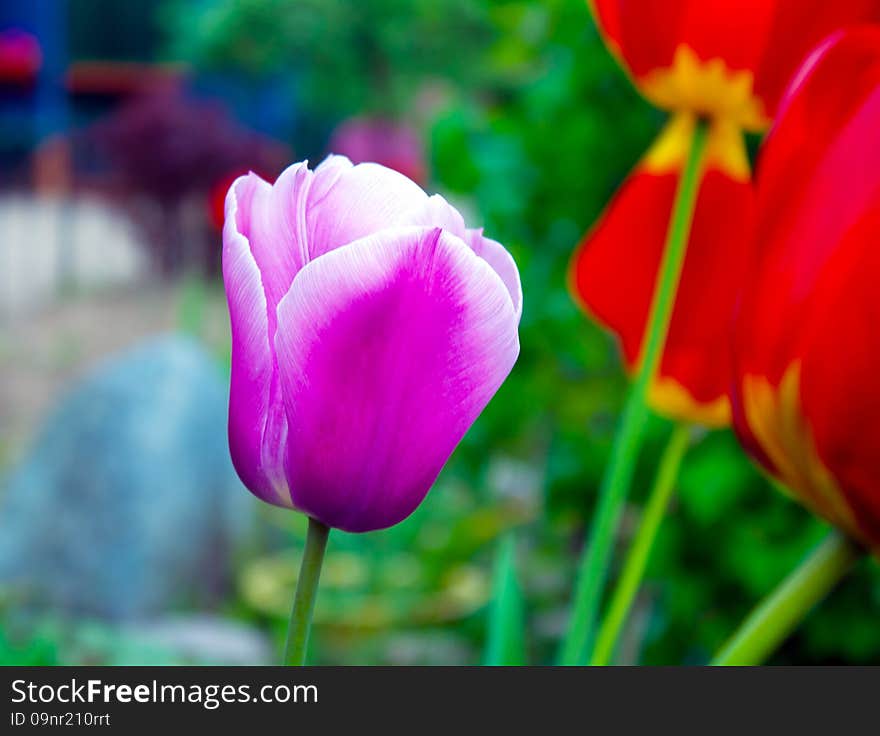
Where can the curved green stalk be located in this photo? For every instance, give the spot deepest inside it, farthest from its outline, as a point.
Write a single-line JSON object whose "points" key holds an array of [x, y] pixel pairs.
{"points": [[640, 550], [593, 568], [778, 615], [306, 589]]}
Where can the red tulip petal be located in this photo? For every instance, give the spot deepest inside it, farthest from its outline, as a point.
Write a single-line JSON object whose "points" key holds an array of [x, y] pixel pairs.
{"points": [[643, 35], [817, 177], [799, 26], [615, 270], [806, 351], [839, 394], [755, 46]]}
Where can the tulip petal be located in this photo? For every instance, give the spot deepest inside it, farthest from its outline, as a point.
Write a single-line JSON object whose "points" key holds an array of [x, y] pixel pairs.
{"points": [[644, 35], [842, 321], [614, 274], [325, 176], [798, 26], [809, 307], [253, 404], [350, 202], [389, 348], [501, 261], [765, 39], [435, 211], [817, 179], [275, 227]]}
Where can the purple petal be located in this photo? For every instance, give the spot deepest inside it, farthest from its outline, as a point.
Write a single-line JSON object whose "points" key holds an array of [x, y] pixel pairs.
{"points": [[435, 211], [389, 348], [257, 421], [501, 262], [350, 202], [273, 220]]}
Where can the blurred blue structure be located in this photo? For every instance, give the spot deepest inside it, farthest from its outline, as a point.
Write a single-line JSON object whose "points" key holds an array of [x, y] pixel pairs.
{"points": [[262, 104], [30, 115]]}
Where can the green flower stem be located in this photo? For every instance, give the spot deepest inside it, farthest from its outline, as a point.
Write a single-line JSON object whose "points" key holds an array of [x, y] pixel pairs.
{"points": [[306, 589], [505, 644], [778, 615], [593, 568], [640, 550]]}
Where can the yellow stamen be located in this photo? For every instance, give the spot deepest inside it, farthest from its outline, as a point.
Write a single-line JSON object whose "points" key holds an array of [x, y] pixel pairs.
{"points": [[706, 88], [775, 418]]}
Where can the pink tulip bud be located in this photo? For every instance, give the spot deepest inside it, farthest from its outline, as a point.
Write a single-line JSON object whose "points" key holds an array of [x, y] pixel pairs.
{"points": [[370, 328]]}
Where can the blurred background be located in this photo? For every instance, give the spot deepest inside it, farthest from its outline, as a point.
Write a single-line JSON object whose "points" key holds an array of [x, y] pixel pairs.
{"points": [[125, 537]]}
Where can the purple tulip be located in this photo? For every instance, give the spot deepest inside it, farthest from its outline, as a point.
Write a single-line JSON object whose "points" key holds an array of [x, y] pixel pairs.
{"points": [[370, 328]]}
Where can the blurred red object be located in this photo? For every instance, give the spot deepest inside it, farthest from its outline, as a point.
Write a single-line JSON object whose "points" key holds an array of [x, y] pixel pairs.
{"points": [[392, 144], [20, 57], [216, 200], [120, 78]]}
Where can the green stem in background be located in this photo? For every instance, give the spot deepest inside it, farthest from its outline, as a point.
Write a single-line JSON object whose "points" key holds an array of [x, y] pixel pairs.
{"points": [[640, 550], [593, 568], [505, 644], [778, 615], [306, 590]]}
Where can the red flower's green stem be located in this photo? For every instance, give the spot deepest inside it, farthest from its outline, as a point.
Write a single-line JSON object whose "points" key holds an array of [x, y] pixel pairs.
{"points": [[778, 615], [306, 590], [640, 550], [593, 568]]}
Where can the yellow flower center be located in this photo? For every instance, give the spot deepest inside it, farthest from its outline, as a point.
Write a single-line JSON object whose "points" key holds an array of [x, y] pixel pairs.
{"points": [[706, 88]]}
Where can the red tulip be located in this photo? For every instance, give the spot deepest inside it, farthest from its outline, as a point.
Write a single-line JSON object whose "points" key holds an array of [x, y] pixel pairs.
{"points": [[806, 397], [726, 61]]}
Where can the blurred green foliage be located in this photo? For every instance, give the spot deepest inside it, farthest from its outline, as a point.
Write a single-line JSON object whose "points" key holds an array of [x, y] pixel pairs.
{"points": [[346, 56]]}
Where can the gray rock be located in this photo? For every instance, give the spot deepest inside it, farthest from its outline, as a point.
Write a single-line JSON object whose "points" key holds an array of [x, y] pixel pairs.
{"points": [[128, 504]]}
